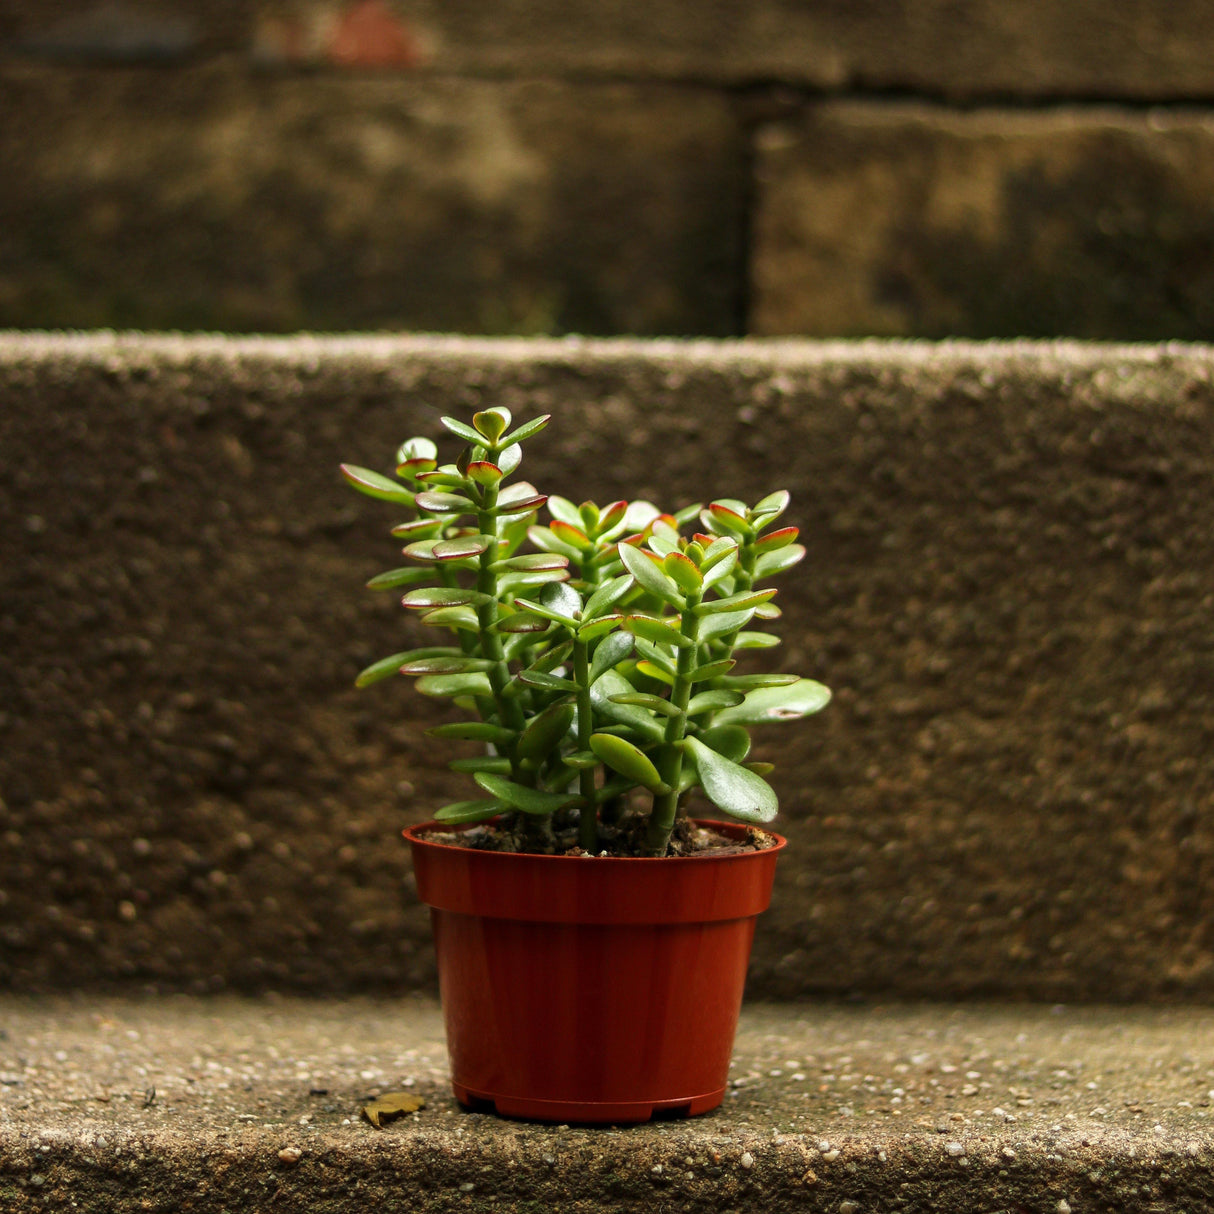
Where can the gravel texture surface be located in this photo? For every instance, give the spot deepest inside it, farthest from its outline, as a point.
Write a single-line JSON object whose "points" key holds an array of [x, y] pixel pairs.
{"points": [[226, 1104]]}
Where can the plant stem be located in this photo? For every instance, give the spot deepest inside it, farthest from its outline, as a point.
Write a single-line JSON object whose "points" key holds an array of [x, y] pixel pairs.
{"points": [[536, 832], [588, 827], [670, 766], [509, 710]]}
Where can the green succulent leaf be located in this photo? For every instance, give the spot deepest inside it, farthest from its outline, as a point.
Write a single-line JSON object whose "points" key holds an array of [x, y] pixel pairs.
{"points": [[473, 684], [519, 579], [452, 617], [612, 517], [649, 577], [663, 538], [528, 429], [580, 760], [386, 667], [454, 664], [463, 430], [443, 596], [546, 538], [602, 695], [657, 631], [645, 700], [717, 550], [545, 732], [606, 595], [484, 473], [756, 640], [771, 563], [565, 511], [799, 699], [416, 448], [600, 627], [732, 741], [682, 572], [723, 622], [442, 478], [722, 568], [530, 605], [517, 647], [545, 681], [517, 492], [393, 578], [531, 561], [377, 486], [748, 682], [772, 506], [523, 621], [523, 505], [474, 731], [654, 670], [732, 788], [553, 656], [463, 547], [658, 657], [629, 760], [509, 458], [737, 602], [712, 670], [491, 763], [461, 812], [639, 514], [776, 539], [419, 528], [571, 534], [444, 503], [422, 550], [525, 800], [564, 600], [608, 654], [713, 701], [720, 518], [491, 423]]}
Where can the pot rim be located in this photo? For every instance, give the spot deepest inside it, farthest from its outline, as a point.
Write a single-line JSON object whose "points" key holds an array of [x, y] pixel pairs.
{"points": [[415, 837]]}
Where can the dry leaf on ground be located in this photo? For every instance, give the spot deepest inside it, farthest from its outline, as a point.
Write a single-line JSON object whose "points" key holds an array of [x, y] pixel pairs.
{"points": [[390, 1106]]}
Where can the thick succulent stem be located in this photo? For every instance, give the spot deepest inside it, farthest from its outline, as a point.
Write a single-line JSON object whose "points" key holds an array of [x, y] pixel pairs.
{"points": [[588, 827], [670, 765]]}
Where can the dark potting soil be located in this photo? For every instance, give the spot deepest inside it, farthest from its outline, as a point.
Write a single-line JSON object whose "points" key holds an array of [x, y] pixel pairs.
{"points": [[622, 840]]}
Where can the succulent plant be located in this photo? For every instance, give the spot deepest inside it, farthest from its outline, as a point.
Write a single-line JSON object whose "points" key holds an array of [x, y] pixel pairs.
{"points": [[595, 655]]}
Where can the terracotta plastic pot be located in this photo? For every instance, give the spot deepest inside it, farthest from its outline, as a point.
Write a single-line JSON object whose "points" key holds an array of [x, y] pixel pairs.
{"points": [[591, 989]]}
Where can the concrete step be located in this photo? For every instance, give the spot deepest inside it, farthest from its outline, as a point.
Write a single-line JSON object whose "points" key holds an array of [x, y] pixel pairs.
{"points": [[188, 1104], [1009, 582]]}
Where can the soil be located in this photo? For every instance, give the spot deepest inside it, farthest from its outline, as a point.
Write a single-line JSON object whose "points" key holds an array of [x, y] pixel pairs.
{"points": [[620, 841]]}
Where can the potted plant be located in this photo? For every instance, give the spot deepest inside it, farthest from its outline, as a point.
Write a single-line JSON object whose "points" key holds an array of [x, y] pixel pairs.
{"points": [[592, 939]]}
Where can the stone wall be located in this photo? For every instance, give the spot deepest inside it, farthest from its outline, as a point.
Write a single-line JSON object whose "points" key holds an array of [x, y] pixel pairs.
{"points": [[1009, 583], [775, 167]]}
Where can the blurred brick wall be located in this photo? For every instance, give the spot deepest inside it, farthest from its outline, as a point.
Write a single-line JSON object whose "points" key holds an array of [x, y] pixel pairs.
{"points": [[818, 167]]}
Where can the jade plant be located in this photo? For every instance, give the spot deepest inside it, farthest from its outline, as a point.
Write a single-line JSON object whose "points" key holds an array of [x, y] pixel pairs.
{"points": [[593, 656]]}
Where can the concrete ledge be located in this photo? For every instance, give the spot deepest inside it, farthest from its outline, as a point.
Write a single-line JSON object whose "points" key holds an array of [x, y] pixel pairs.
{"points": [[1011, 565], [834, 1109]]}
